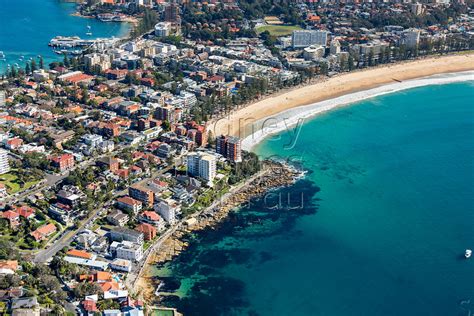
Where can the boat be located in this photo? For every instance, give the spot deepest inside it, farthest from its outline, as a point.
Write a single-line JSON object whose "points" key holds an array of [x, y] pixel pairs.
{"points": [[89, 33], [468, 253], [2, 55]]}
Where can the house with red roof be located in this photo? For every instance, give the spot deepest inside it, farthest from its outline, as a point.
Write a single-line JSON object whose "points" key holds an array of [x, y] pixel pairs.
{"points": [[12, 217], [24, 211], [43, 232], [90, 307], [62, 162], [13, 143], [80, 254], [129, 204], [152, 218], [8, 266], [149, 231], [122, 173], [76, 78]]}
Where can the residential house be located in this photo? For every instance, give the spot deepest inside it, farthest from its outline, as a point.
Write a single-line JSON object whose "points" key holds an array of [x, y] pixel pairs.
{"points": [[129, 251], [118, 218], [152, 218], [142, 194], [122, 233], [43, 232], [121, 265], [12, 217], [149, 231], [129, 204], [62, 162], [24, 211], [8, 266]]}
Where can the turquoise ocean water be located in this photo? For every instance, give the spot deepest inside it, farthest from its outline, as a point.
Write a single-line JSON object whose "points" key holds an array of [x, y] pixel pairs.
{"points": [[388, 210], [27, 26]]}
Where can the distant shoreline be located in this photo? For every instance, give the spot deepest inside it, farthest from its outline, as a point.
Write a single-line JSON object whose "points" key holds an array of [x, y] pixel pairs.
{"points": [[247, 122]]}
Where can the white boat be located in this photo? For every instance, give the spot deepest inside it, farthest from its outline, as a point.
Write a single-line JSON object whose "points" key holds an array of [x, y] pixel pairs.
{"points": [[89, 33], [2, 55], [468, 253]]}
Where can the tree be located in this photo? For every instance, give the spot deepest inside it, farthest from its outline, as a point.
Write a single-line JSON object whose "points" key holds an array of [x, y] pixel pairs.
{"points": [[107, 304], [350, 63], [86, 288], [41, 62], [27, 69], [66, 60], [33, 65]]}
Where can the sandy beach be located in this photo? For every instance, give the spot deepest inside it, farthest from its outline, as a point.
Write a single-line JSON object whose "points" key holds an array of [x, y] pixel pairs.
{"points": [[238, 122]]}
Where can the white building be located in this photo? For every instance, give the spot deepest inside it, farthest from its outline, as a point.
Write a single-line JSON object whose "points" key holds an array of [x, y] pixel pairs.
{"points": [[202, 165], [100, 60], [152, 132], [167, 211], [411, 38], [4, 166], [335, 47], [121, 265], [416, 8], [40, 75], [106, 146], [92, 140], [313, 52], [129, 251], [305, 38], [163, 29], [2, 98]]}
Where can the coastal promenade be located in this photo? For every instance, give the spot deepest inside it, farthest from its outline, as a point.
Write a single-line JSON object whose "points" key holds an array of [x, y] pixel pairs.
{"points": [[273, 175], [134, 276]]}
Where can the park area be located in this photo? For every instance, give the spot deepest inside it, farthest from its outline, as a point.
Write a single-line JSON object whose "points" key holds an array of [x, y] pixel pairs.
{"points": [[278, 30], [14, 183]]}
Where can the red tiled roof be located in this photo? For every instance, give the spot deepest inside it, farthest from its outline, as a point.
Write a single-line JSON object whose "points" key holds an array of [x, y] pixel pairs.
{"points": [[107, 286], [43, 231], [151, 215], [128, 200], [9, 264], [78, 78], [10, 215], [89, 306], [79, 254], [145, 228], [24, 211], [101, 276]]}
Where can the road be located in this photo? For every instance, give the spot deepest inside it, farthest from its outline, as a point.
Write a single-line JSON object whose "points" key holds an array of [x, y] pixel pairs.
{"points": [[68, 235]]}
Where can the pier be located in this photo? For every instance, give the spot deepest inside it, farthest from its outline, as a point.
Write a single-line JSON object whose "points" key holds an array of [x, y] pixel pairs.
{"points": [[76, 41]]}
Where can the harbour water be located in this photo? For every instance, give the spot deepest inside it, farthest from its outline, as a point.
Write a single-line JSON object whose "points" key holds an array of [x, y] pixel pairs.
{"points": [[377, 227], [27, 26]]}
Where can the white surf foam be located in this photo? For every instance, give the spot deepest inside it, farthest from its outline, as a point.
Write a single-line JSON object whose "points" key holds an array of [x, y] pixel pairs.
{"points": [[282, 121]]}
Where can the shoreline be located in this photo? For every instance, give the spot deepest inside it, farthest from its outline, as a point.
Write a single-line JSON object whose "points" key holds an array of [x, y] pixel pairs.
{"points": [[273, 113], [298, 116], [274, 175]]}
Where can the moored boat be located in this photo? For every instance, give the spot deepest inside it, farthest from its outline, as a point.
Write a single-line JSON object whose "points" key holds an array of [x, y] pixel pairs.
{"points": [[468, 253]]}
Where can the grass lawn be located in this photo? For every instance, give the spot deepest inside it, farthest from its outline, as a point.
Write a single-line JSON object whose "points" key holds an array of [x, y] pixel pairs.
{"points": [[278, 30], [11, 182]]}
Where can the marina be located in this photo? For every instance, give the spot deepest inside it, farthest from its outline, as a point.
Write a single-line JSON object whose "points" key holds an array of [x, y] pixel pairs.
{"points": [[76, 41]]}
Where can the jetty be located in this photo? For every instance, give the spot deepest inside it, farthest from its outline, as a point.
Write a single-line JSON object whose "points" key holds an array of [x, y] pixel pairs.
{"points": [[76, 41]]}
